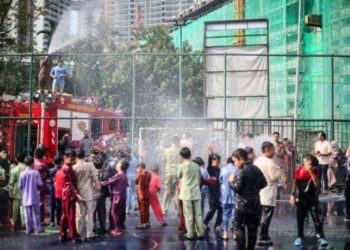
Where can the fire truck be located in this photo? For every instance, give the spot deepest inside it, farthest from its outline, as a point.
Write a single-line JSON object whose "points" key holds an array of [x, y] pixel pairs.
{"points": [[51, 120]]}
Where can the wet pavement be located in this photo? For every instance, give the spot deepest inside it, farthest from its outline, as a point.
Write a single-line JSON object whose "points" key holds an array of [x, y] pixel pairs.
{"points": [[282, 231]]}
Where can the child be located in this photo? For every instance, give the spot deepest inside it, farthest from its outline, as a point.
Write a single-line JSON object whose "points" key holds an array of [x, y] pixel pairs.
{"points": [[154, 188], [143, 181], [246, 184], [17, 212], [119, 183], [44, 172], [305, 196], [189, 174], [227, 197], [204, 175], [56, 207], [214, 162], [30, 184], [69, 196], [100, 210]]}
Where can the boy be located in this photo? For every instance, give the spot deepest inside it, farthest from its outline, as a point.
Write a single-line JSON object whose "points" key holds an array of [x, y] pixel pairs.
{"points": [[268, 195], [56, 207], [154, 188], [119, 184], [143, 181], [44, 172], [190, 176], [100, 210], [17, 209], [69, 197], [205, 176], [30, 184]]}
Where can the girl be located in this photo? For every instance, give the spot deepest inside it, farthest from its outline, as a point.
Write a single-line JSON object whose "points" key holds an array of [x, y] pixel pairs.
{"points": [[119, 184], [305, 191]]}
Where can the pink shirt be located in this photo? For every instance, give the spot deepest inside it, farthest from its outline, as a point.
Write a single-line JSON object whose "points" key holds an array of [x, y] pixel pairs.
{"points": [[155, 185]]}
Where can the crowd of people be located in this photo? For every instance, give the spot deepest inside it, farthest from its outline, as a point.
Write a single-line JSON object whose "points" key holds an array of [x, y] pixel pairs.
{"points": [[241, 189]]}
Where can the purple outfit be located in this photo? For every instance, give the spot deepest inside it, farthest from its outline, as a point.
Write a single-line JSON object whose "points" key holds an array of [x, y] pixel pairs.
{"points": [[30, 183], [119, 184]]}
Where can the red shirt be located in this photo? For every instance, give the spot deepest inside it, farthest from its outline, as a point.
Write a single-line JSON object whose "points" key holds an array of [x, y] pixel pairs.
{"points": [[143, 181], [59, 181], [155, 185], [301, 174]]}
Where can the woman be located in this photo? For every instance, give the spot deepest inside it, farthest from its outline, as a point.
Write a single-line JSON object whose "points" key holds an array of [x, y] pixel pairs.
{"points": [[305, 191]]}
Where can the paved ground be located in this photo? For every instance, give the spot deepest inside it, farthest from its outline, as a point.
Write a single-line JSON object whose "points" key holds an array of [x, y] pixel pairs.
{"points": [[283, 232]]}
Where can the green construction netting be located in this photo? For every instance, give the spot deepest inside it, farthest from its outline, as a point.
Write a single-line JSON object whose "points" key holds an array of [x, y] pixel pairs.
{"points": [[316, 73]]}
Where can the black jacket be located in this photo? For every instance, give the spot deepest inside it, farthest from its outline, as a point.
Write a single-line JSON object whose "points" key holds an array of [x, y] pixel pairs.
{"points": [[214, 189], [248, 183]]}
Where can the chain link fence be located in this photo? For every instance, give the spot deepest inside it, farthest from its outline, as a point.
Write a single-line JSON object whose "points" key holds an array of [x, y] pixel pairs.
{"points": [[144, 99]]}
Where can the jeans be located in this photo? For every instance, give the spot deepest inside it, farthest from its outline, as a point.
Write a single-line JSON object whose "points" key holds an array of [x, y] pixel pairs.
{"points": [[131, 194], [203, 198], [324, 177], [227, 211], [214, 206]]}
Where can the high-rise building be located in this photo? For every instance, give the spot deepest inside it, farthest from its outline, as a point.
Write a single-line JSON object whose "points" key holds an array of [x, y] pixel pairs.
{"points": [[45, 23], [38, 20], [125, 14]]}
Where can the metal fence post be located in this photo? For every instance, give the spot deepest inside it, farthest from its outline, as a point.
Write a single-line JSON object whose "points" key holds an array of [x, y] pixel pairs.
{"points": [[225, 104], [133, 103], [180, 76], [29, 132], [332, 97]]}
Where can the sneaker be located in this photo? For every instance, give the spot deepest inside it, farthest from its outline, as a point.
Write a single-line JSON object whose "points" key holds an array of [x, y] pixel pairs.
{"points": [[206, 227], [218, 229], [40, 231], [29, 231], [163, 224], [298, 241], [323, 242], [52, 224], [347, 220]]}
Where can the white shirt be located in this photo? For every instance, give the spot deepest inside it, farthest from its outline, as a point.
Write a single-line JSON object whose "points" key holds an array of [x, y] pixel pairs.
{"points": [[324, 147], [272, 173]]}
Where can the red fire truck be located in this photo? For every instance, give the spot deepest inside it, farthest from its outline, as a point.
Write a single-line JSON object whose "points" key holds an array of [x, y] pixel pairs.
{"points": [[51, 120]]}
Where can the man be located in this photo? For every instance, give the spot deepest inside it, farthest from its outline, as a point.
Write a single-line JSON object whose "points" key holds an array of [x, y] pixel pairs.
{"points": [[323, 152], [87, 184], [64, 144], [189, 173], [44, 175], [87, 143], [278, 158], [58, 74], [171, 163], [268, 195], [17, 209]]}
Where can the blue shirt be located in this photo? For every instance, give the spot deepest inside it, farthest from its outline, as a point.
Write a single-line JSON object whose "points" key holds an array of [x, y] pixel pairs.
{"points": [[59, 73], [131, 171], [205, 175], [227, 195]]}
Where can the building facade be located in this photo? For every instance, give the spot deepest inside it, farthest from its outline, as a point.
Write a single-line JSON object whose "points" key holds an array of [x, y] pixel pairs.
{"points": [[127, 14], [324, 86], [45, 23]]}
